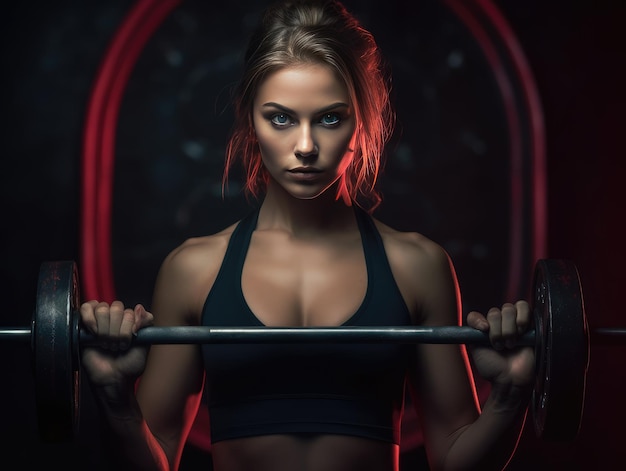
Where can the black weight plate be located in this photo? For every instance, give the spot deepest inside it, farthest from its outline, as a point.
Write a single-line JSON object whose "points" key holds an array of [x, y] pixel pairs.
{"points": [[562, 350], [55, 351]]}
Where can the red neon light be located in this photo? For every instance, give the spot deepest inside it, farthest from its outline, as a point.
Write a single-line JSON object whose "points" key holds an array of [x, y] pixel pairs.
{"points": [[505, 33], [99, 142]]}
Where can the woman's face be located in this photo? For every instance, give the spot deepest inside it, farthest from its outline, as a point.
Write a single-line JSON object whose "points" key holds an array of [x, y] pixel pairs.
{"points": [[304, 123]]}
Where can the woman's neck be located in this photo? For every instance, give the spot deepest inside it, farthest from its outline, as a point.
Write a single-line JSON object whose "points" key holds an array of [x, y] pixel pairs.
{"points": [[300, 217]]}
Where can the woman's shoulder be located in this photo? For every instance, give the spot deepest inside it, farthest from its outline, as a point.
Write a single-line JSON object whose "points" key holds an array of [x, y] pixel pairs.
{"points": [[188, 272], [197, 259], [201, 249], [411, 245], [421, 267]]}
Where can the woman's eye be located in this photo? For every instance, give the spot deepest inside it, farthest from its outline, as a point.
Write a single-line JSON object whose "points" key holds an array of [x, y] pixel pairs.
{"points": [[330, 119], [280, 119]]}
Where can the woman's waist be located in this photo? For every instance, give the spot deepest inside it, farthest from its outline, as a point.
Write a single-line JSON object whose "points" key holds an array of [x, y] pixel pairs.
{"points": [[304, 452], [365, 416]]}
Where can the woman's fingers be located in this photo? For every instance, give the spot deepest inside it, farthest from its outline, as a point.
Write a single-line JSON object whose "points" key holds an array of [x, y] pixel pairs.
{"points": [[524, 316], [494, 317], [503, 324], [113, 324]]}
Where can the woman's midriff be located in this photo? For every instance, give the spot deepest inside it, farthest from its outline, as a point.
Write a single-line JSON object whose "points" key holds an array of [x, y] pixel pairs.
{"points": [[304, 452]]}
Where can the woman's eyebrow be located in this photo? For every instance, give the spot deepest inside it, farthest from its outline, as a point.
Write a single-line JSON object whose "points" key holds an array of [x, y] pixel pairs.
{"points": [[325, 109]]}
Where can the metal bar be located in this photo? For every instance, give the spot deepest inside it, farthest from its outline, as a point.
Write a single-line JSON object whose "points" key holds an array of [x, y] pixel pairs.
{"points": [[14, 334], [608, 336], [203, 334], [432, 335], [207, 335]]}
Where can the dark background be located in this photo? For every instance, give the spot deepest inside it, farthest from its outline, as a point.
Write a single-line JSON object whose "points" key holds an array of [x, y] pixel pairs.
{"points": [[50, 55]]}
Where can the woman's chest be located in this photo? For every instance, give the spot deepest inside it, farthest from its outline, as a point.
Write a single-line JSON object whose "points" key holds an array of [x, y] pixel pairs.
{"points": [[304, 284]]}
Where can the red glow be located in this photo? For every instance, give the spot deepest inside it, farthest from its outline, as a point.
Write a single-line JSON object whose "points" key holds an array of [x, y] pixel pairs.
{"points": [[99, 143], [517, 268]]}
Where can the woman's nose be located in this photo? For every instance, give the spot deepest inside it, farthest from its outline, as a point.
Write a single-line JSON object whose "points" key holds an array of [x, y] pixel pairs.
{"points": [[305, 146]]}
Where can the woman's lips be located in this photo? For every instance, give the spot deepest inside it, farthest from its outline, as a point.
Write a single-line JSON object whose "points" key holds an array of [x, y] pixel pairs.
{"points": [[305, 173]]}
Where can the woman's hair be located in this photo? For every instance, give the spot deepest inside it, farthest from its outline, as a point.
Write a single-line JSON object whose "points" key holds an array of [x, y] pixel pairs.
{"points": [[320, 32]]}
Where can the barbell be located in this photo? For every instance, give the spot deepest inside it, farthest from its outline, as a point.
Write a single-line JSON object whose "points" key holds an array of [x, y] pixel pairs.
{"points": [[560, 338]]}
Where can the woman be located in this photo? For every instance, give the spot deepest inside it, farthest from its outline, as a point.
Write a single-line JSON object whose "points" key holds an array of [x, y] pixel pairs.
{"points": [[312, 119]]}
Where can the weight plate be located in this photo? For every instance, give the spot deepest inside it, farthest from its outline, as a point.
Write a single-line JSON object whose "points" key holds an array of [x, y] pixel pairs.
{"points": [[562, 350], [55, 351]]}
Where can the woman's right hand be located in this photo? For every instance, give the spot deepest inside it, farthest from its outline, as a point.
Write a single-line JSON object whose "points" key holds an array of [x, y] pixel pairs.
{"points": [[113, 360]]}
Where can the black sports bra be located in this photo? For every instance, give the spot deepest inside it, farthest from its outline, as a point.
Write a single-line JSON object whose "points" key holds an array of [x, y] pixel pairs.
{"points": [[330, 388]]}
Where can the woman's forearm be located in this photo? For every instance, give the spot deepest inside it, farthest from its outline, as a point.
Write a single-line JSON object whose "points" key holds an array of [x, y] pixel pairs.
{"points": [[489, 443], [128, 443]]}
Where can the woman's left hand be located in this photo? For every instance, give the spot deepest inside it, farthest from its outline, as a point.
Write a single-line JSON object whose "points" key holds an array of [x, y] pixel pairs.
{"points": [[503, 362]]}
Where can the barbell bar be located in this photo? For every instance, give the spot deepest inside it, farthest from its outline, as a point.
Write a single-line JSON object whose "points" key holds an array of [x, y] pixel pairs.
{"points": [[560, 339], [352, 334]]}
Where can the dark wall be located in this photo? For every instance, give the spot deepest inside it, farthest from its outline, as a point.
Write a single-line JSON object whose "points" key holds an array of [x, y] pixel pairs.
{"points": [[577, 53], [50, 54]]}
